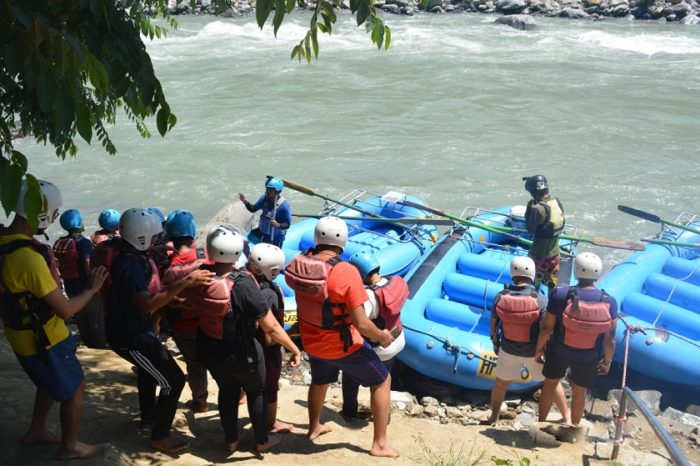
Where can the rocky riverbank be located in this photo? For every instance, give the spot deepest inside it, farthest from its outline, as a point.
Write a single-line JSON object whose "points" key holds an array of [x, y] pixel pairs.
{"points": [[681, 11]]}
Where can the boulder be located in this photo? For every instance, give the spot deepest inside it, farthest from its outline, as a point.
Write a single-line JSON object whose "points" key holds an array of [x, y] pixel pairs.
{"points": [[651, 398], [391, 8], [680, 416], [399, 3], [691, 20], [432, 4], [521, 22], [681, 10], [510, 7], [429, 401], [573, 13]]}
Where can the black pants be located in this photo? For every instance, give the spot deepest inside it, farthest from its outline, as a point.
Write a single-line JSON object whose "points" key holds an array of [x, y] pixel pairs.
{"points": [[351, 388], [91, 324], [231, 375], [156, 368]]}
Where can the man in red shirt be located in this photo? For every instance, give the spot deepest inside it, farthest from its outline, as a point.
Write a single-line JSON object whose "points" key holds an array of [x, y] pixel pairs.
{"points": [[330, 298]]}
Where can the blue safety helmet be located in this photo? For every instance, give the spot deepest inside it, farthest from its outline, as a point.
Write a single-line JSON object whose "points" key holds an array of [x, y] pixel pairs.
{"points": [[156, 211], [275, 183], [180, 223], [71, 219], [365, 262], [109, 219]]}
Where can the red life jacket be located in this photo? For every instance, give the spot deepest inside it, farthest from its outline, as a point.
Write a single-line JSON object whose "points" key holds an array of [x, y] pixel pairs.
{"points": [[66, 251], [184, 320], [100, 237], [584, 321], [24, 311], [308, 277], [518, 313], [391, 298], [216, 318]]}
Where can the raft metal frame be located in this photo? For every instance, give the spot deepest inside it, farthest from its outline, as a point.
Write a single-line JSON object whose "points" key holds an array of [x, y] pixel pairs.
{"points": [[677, 456]]}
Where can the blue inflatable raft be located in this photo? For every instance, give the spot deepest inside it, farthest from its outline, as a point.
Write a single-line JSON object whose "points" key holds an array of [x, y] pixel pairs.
{"points": [[658, 290], [447, 316], [397, 247]]}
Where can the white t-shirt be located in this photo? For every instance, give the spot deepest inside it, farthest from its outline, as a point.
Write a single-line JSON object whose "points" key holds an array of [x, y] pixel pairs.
{"points": [[372, 311]]}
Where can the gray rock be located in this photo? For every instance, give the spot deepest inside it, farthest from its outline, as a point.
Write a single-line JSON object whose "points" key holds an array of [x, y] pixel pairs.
{"points": [[681, 9], [345, 4], [437, 10], [691, 20], [521, 22], [306, 378], [510, 7], [432, 4], [526, 419], [573, 13], [417, 410], [429, 401], [431, 411], [651, 398], [399, 3], [619, 10], [453, 412], [391, 9], [679, 416]]}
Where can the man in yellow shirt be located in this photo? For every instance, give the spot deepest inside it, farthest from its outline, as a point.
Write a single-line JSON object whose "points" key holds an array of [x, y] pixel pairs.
{"points": [[33, 309]]}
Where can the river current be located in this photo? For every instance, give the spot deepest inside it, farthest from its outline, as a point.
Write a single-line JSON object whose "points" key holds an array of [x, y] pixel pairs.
{"points": [[457, 111]]}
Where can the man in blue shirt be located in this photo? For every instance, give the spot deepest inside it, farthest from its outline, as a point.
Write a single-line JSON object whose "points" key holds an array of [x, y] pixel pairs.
{"points": [[276, 214]]}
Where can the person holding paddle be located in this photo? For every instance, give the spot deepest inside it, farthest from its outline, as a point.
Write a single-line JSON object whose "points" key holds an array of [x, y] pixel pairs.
{"points": [[545, 222], [276, 214]]}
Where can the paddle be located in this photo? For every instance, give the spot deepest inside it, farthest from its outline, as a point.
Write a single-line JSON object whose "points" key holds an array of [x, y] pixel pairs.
{"points": [[404, 220], [596, 240], [655, 218], [672, 243]]}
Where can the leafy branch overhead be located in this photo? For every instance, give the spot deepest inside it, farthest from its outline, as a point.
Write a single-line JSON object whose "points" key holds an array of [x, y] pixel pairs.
{"points": [[66, 67], [363, 9]]}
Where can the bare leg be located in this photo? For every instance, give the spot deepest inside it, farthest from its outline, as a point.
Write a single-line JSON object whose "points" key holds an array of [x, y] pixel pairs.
{"points": [[380, 401], [71, 447], [274, 425], [316, 397], [560, 402], [578, 402], [498, 394], [37, 434], [547, 397]]}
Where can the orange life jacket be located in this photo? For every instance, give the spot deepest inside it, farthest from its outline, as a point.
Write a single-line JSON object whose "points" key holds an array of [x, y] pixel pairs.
{"points": [[518, 313], [66, 251], [177, 315], [391, 298], [308, 277], [584, 321]]}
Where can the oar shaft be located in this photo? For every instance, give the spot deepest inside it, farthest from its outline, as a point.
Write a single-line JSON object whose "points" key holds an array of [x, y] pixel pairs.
{"points": [[655, 218], [672, 243], [402, 220]]}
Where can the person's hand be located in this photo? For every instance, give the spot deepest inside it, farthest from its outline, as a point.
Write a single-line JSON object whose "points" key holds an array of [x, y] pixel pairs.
{"points": [[603, 367], [98, 275], [496, 347], [539, 356], [241, 196], [294, 359], [386, 339], [198, 277], [274, 223]]}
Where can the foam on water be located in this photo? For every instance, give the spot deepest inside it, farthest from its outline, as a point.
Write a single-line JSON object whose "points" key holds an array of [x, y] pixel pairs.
{"points": [[645, 44]]}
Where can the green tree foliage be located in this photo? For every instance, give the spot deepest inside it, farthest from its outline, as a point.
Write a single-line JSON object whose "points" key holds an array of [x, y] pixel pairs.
{"points": [[68, 66]]}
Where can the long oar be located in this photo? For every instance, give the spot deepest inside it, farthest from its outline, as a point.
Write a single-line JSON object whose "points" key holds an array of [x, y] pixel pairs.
{"points": [[402, 220], [655, 218], [672, 243], [596, 240]]}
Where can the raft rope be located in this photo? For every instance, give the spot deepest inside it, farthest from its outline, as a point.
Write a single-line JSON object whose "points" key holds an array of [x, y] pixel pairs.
{"points": [[673, 289]]}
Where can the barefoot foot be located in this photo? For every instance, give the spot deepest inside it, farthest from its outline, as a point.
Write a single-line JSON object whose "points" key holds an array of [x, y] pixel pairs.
{"points": [[82, 451], [170, 444], [43, 437], [271, 442], [281, 427], [385, 452], [233, 446], [318, 431]]}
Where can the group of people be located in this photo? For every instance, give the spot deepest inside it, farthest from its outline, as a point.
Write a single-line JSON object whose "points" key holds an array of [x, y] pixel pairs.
{"points": [[224, 313]]}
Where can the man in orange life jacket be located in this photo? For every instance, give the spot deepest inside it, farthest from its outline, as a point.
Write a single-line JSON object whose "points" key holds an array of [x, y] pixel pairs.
{"points": [[544, 217], [34, 309], [583, 320], [134, 295], [109, 225], [265, 262], [330, 305], [183, 317], [385, 299], [515, 324], [231, 308]]}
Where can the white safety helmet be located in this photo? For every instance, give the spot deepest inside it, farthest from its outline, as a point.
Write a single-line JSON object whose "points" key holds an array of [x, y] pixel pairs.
{"points": [[266, 259], [522, 266], [331, 231], [138, 227], [224, 244], [50, 203], [588, 266]]}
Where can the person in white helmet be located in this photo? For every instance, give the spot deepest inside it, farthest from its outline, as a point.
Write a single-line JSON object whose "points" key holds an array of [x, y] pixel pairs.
{"points": [[232, 306], [515, 325], [135, 295], [581, 322], [265, 262], [330, 300], [34, 309]]}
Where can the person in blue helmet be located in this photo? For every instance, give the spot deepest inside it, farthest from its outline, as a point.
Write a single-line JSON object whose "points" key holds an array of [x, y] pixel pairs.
{"points": [[109, 226], [276, 214], [385, 298]]}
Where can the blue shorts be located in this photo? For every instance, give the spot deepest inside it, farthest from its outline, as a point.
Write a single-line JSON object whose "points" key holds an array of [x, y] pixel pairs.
{"points": [[60, 375], [363, 365]]}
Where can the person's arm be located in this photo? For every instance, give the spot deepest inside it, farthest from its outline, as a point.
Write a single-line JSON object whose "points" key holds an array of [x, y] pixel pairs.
{"points": [[608, 349], [85, 254], [150, 303], [367, 328], [284, 213], [546, 329], [274, 330], [494, 333], [249, 207], [532, 217], [66, 308]]}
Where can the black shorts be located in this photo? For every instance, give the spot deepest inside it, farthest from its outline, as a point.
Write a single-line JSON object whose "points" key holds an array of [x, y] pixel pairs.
{"points": [[582, 373]]}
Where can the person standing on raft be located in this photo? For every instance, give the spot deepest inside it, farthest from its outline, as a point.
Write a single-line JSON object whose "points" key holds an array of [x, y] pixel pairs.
{"points": [[276, 214]]}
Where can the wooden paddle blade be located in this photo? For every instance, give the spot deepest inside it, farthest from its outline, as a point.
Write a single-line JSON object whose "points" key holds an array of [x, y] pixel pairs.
{"points": [[298, 187], [639, 213], [615, 243]]}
